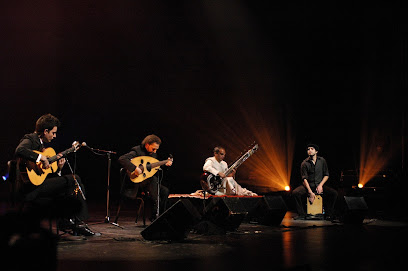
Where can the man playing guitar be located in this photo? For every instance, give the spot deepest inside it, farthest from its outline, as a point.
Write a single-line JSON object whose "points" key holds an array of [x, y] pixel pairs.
{"points": [[30, 154]]}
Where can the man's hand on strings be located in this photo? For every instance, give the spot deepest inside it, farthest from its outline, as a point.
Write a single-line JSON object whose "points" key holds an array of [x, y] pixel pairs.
{"points": [[137, 172], [232, 174], [61, 163], [45, 162]]}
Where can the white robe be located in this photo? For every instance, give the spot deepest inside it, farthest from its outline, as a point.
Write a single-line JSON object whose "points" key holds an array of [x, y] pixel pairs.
{"points": [[228, 185]]}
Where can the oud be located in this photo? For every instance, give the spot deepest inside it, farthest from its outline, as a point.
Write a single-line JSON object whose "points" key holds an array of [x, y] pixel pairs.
{"points": [[148, 165]]}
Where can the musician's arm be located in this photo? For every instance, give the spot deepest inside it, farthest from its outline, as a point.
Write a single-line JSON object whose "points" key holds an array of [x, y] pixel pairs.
{"points": [[208, 167], [24, 150], [124, 161], [305, 176], [232, 174]]}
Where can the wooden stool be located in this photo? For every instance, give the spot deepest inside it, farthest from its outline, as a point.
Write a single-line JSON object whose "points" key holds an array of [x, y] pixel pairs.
{"points": [[316, 207]]}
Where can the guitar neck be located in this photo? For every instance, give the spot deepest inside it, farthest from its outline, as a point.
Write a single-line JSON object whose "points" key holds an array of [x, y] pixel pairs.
{"points": [[55, 157]]}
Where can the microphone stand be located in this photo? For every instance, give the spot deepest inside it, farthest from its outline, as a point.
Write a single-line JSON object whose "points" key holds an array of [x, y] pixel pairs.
{"points": [[158, 194], [77, 189], [108, 153], [158, 190]]}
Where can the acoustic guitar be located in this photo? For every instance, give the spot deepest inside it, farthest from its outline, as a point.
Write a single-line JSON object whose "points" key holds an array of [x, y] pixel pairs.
{"points": [[36, 173], [148, 165]]}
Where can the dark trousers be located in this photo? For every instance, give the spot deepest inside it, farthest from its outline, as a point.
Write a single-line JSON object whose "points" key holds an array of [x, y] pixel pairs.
{"points": [[151, 185], [60, 187], [329, 196]]}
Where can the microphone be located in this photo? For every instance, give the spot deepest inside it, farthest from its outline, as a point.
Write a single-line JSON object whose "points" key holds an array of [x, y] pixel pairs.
{"points": [[85, 145], [96, 150]]}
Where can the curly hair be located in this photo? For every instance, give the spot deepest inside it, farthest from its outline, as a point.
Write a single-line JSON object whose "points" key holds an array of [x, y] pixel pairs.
{"points": [[150, 139]]}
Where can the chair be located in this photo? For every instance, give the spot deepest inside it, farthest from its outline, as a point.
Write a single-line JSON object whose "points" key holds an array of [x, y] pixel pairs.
{"points": [[17, 200], [122, 197]]}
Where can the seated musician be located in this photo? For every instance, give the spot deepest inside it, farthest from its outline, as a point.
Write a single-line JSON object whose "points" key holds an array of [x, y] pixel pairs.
{"points": [[148, 147], [315, 174], [55, 187], [217, 166]]}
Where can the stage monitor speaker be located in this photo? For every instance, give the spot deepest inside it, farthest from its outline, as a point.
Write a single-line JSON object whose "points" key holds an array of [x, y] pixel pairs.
{"points": [[355, 210], [227, 213], [174, 224], [270, 210], [250, 205]]}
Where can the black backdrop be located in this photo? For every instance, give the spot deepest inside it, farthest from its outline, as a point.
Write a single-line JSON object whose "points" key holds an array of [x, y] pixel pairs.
{"points": [[115, 71]]}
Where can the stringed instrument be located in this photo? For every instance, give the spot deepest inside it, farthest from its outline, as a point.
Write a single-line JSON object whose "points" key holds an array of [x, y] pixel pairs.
{"points": [[211, 183], [36, 173], [148, 165]]}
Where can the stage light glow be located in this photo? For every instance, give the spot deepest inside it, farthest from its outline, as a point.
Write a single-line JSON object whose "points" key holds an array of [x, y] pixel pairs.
{"points": [[375, 152], [238, 126], [287, 188], [360, 185], [271, 165]]}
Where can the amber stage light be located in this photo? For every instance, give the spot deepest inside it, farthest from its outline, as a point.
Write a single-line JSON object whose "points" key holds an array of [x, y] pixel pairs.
{"points": [[269, 168], [375, 153]]}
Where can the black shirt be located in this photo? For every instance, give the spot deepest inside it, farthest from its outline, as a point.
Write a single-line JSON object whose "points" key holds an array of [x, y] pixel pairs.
{"points": [[314, 173]]}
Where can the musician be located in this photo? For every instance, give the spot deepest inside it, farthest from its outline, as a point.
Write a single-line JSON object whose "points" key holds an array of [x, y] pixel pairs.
{"points": [[55, 187], [217, 166], [148, 147], [315, 174]]}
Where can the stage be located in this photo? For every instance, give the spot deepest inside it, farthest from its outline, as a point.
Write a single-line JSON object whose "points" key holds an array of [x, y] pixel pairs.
{"points": [[294, 245], [373, 244]]}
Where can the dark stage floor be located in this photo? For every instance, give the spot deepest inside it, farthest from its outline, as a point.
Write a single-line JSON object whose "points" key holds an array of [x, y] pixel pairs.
{"points": [[373, 244]]}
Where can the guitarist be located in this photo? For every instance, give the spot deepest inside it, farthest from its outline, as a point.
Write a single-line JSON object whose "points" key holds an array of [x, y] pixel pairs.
{"points": [[56, 186], [148, 147], [217, 166]]}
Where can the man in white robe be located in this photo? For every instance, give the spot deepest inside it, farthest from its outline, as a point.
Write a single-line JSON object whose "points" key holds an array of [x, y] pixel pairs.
{"points": [[217, 166]]}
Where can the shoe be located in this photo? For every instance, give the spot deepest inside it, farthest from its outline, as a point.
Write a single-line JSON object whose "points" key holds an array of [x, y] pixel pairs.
{"points": [[84, 230], [69, 226], [65, 224]]}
